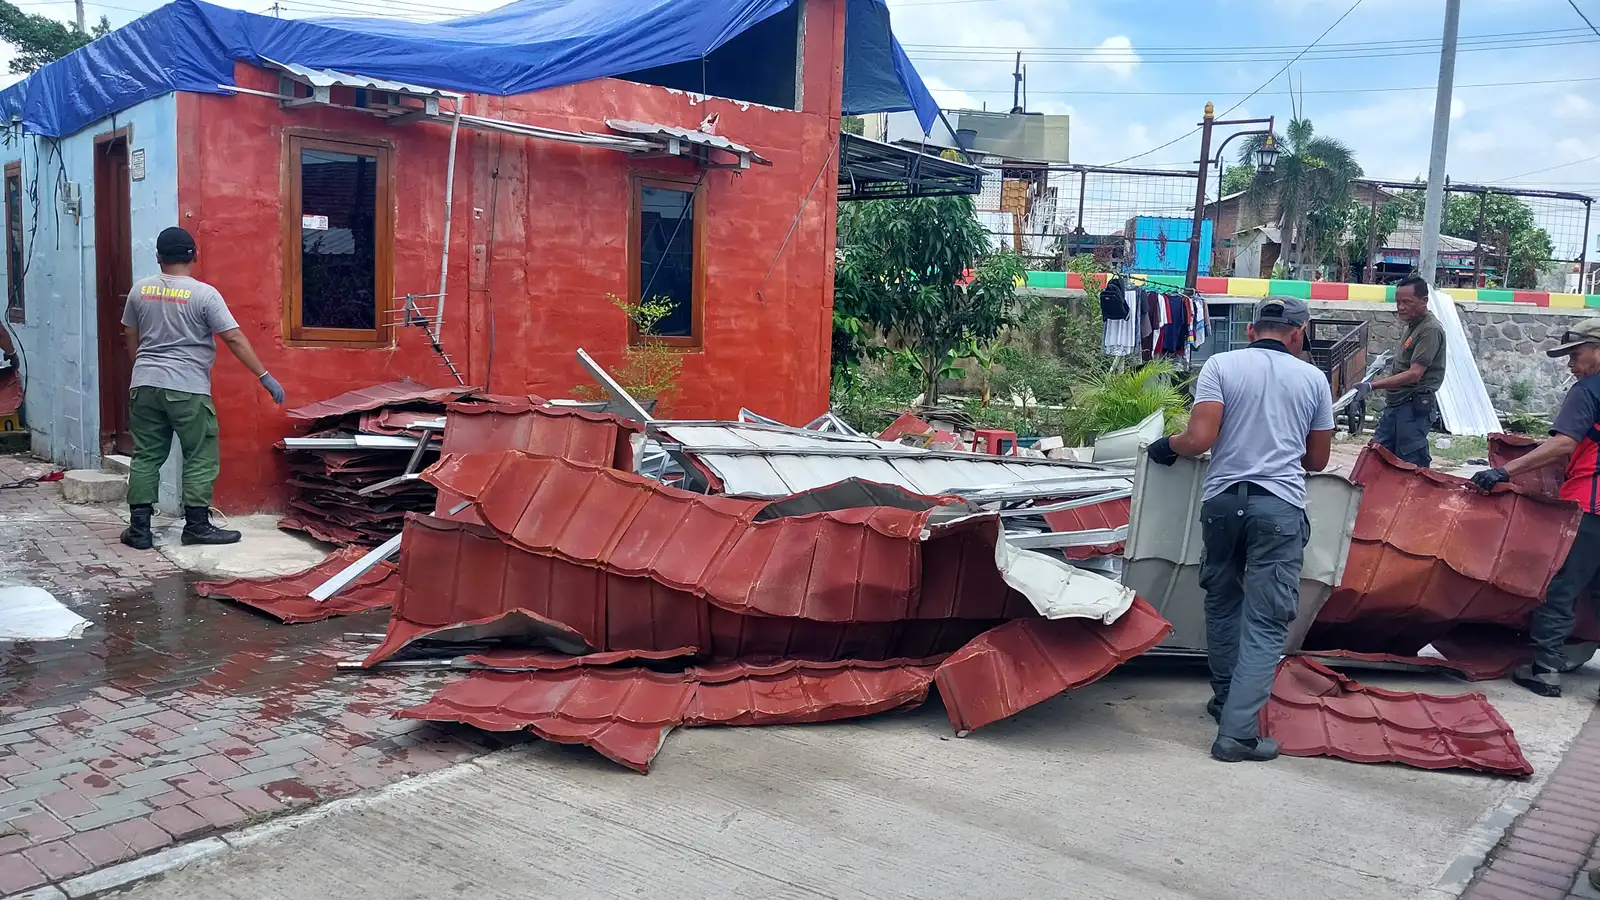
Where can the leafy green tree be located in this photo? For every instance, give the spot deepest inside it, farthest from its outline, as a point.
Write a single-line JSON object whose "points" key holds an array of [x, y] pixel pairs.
{"points": [[852, 125], [1350, 252], [920, 273], [1311, 183], [1237, 178], [41, 39]]}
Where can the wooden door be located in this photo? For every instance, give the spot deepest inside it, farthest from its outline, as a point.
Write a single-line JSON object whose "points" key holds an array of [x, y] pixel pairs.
{"points": [[113, 241]]}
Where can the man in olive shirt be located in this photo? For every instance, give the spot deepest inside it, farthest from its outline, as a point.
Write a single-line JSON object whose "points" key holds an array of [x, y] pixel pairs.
{"points": [[1418, 373]]}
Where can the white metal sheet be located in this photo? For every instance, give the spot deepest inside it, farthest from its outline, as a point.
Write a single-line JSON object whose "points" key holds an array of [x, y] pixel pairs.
{"points": [[1464, 402], [1162, 552]]}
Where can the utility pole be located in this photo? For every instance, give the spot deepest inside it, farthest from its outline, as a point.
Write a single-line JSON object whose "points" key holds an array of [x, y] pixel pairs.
{"points": [[1433, 212], [1016, 86], [1266, 157], [79, 9]]}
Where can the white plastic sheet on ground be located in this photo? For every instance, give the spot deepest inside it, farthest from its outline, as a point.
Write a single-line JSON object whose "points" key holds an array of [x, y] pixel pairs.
{"points": [[33, 614], [1463, 400]]}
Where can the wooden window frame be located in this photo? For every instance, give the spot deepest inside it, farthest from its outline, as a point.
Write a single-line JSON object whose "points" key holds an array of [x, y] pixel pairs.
{"points": [[695, 340], [382, 334], [15, 285]]}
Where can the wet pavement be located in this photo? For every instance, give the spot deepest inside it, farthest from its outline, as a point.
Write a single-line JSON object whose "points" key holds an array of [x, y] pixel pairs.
{"points": [[175, 716]]}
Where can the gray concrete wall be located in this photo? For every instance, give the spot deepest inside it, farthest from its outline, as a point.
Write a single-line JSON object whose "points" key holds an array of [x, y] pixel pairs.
{"points": [[1508, 345]]}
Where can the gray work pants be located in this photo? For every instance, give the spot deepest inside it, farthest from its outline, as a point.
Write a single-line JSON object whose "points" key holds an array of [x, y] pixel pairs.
{"points": [[1551, 624], [1403, 429], [1254, 546]]}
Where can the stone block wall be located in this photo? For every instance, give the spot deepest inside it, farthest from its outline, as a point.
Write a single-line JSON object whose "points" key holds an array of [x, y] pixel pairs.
{"points": [[1508, 343]]}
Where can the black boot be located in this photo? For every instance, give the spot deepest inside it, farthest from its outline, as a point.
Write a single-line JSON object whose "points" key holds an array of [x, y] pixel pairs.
{"points": [[197, 528], [137, 534]]}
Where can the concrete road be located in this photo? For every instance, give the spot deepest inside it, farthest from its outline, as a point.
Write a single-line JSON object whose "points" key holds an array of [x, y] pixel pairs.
{"points": [[1107, 793]]}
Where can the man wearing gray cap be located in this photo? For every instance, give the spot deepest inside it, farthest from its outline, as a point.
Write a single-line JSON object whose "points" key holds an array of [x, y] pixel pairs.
{"points": [[1267, 418], [1575, 440]]}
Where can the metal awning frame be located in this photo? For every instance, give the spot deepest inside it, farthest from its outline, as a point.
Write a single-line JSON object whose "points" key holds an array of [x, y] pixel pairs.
{"points": [[874, 170]]}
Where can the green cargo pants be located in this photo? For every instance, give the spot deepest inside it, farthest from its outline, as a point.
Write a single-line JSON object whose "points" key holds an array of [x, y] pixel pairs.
{"points": [[154, 416]]}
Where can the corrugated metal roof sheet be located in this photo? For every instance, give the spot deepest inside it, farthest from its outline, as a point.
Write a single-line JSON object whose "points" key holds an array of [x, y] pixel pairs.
{"points": [[1315, 711], [331, 78], [625, 714], [392, 393], [1164, 544], [867, 564], [593, 438], [1110, 514], [747, 470], [1544, 482], [1464, 402], [459, 581], [1479, 668], [1027, 661], [689, 135], [287, 598], [1431, 551]]}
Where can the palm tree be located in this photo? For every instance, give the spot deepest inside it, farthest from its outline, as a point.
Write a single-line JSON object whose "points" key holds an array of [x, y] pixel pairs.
{"points": [[1310, 185]]}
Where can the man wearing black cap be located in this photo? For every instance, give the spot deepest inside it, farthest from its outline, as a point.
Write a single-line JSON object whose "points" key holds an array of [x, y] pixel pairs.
{"points": [[169, 323], [1418, 372], [1267, 418], [1575, 439]]}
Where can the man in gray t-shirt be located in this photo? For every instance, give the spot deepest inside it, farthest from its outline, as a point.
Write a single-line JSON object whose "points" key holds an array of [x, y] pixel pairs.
{"points": [[171, 323], [1267, 418]]}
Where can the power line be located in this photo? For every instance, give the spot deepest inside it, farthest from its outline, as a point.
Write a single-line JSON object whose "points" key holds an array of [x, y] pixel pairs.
{"points": [[1373, 90], [1258, 90], [1574, 5], [1136, 56], [1419, 43], [1547, 169]]}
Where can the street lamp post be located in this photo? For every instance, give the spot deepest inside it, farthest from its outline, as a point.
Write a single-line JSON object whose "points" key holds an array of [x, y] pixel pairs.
{"points": [[1266, 156]]}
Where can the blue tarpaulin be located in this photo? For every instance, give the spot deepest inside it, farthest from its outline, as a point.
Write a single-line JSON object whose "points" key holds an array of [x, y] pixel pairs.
{"points": [[528, 45]]}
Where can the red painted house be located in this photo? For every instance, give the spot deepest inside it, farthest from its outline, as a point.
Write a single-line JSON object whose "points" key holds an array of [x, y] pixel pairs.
{"points": [[318, 198]]}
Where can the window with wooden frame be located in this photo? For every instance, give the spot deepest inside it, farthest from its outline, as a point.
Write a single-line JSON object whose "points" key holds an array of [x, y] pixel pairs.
{"points": [[666, 257], [16, 307], [338, 230]]}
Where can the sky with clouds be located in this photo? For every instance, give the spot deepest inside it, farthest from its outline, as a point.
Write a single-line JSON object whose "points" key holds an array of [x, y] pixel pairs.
{"points": [[1134, 74]]}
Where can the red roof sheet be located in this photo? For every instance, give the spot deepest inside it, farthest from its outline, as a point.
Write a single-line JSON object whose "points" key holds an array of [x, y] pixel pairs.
{"points": [[392, 393], [1473, 668], [288, 598], [598, 439], [1544, 481], [1027, 661], [517, 659], [1110, 514], [626, 713], [455, 576], [850, 565], [1431, 551], [1315, 711]]}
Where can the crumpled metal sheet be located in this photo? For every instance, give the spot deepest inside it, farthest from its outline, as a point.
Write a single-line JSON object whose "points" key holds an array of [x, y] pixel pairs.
{"points": [[1164, 545], [597, 439], [626, 713], [519, 659], [287, 598], [460, 581], [1431, 552], [1315, 711], [1028, 661], [1489, 667], [393, 393], [1544, 482], [1109, 514], [870, 564]]}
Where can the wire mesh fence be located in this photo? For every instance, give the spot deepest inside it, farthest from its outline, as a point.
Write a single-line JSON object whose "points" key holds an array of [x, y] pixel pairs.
{"points": [[1141, 220], [1131, 219], [1490, 236]]}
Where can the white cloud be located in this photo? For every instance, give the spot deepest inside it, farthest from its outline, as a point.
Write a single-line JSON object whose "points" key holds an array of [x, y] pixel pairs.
{"points": [[949, 97], [1117, 54], [1457, 108], [1572, 106]]}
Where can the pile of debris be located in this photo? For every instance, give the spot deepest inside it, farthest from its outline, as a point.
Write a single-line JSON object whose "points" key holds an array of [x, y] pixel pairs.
{"points": [[601, 580], [348, 479]]}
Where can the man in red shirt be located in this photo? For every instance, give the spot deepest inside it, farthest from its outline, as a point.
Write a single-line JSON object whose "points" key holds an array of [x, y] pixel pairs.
{"points": [[1575, 438]]}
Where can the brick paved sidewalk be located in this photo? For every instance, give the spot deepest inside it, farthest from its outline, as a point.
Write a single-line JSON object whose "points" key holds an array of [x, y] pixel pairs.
{"points": [[174, 716], [1546, 853]]}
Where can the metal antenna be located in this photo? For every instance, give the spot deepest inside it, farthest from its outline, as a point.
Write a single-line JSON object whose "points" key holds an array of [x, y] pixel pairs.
{"points": [[410, 314]]}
